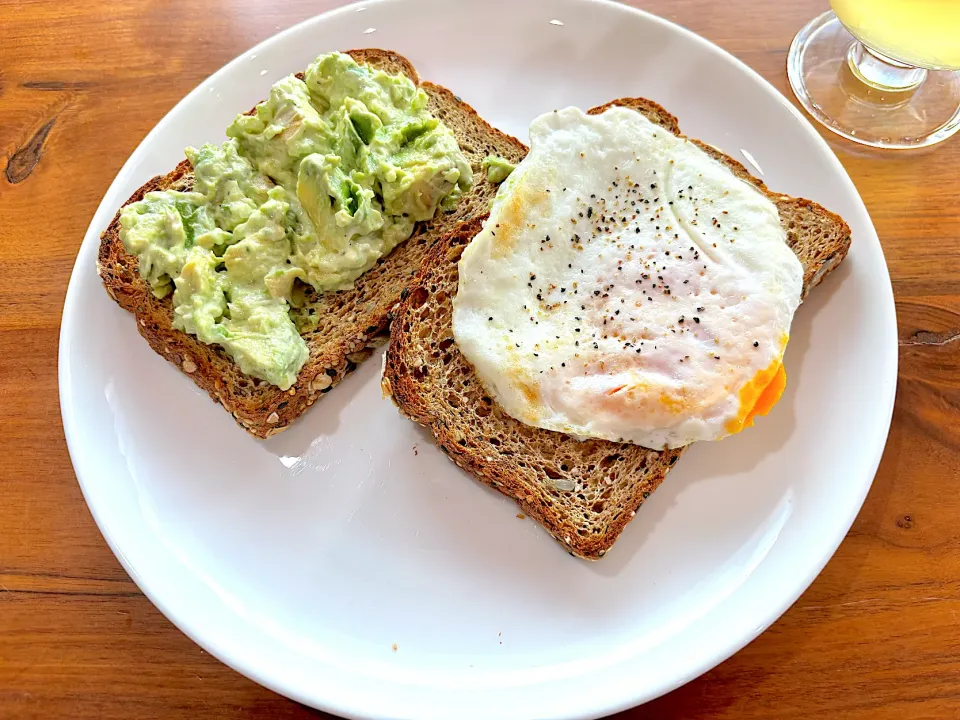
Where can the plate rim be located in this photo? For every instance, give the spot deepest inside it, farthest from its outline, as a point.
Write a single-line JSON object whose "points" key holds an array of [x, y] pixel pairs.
{"points": [[630, 697]]}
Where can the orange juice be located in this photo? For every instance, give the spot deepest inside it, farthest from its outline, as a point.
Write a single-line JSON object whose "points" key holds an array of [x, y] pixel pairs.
{"points": [[924, 33]]}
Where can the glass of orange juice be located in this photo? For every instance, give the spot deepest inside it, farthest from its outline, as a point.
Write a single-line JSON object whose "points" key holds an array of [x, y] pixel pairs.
{"points": [[884, 73]]}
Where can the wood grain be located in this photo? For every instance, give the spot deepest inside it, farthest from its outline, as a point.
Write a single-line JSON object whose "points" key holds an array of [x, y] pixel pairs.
{"points": [[877, 635]]}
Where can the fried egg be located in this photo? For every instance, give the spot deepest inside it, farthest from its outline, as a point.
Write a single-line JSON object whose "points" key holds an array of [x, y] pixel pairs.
{"points": [[627, 286]]}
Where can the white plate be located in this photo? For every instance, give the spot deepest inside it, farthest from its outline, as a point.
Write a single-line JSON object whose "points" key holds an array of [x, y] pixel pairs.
{"points": [[302, 560]]}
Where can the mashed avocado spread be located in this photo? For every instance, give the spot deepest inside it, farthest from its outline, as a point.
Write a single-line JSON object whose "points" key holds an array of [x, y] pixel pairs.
{"points": [[328, 175]]}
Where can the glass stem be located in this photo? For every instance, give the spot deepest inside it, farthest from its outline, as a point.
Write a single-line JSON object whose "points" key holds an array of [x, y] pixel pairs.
{"points": [[881, 72]]}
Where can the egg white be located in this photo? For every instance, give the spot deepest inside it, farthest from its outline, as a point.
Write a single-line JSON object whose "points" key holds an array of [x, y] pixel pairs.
{"points": [[626, 286]]}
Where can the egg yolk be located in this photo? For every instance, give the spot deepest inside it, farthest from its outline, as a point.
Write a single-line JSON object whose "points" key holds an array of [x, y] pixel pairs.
{"points": [[759, 396]]}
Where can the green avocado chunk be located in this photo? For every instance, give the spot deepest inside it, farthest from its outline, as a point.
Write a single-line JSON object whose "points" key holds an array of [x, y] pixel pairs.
{"points": [[497, 168]]}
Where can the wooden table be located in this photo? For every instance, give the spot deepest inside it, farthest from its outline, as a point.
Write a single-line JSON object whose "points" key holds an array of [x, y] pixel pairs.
{"points": [[876, 636]]}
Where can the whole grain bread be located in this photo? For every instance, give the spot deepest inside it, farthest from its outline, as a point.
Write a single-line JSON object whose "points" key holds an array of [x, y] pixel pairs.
{"points": [[583, 493], [344, 325]]}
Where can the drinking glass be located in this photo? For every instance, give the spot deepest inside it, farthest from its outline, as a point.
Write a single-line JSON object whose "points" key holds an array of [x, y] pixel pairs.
{"points": [[884, 73]]}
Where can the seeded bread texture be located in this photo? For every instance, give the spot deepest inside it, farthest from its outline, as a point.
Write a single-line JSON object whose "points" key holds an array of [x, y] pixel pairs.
{"points": [[583, 493], [348, 323]]}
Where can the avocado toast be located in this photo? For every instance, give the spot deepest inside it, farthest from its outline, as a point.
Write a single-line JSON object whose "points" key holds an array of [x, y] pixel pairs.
{"points": [[583, 492], [337, 327]]}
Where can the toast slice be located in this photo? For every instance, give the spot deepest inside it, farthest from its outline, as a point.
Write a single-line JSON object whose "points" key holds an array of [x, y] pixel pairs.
{"points": [[347, 323], [583, 493]]}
